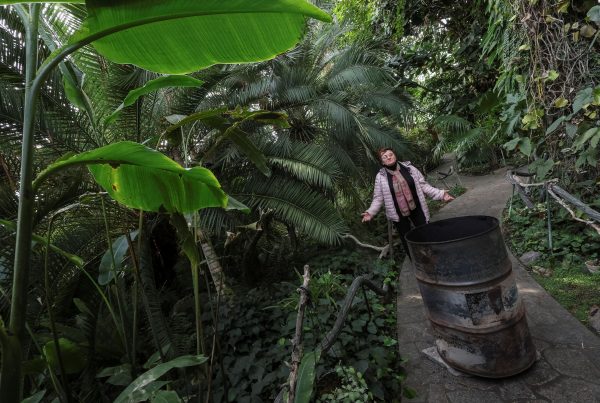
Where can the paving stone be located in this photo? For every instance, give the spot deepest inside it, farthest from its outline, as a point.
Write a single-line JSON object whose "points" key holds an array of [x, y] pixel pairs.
{"points": [[411, 314], [473, 396], [514, 389], [437, 394], [569, 390], [412, 332], [573, 363], [540, 373]]}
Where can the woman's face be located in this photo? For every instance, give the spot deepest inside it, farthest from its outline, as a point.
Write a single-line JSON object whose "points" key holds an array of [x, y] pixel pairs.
{"points": [[388, 158]]}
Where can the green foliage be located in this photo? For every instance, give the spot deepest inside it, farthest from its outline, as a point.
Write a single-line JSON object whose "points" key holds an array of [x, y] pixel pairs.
{"points": [[353, 387], [573, 243], [126, 170], [142, 387], [141, 34]]}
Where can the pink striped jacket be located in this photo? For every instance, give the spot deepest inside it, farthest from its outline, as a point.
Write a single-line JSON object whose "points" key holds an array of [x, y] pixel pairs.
{"points": [[383, 196]]}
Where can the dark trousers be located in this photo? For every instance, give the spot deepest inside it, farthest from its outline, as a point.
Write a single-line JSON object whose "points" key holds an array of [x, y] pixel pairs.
{"points": [[406, 223]]}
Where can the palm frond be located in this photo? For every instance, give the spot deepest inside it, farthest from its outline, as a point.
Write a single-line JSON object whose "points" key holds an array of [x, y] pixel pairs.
{"points": [[295, 203]]}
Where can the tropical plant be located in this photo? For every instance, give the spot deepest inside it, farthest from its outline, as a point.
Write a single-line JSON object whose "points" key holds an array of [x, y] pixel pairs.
{"points": [[340, 104], [121, 33]]}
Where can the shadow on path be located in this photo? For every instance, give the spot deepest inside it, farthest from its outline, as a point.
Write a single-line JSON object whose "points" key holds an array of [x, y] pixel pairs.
{"points": [[569, 367]]}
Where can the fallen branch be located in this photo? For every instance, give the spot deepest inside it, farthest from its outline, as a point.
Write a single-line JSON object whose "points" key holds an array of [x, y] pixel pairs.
{"points": [[364, 280], [566, 207], [383, 250]]}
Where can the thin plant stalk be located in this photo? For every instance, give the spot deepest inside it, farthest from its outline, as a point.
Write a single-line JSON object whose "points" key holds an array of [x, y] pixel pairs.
{"points": [[117, 287], [66, 393]]}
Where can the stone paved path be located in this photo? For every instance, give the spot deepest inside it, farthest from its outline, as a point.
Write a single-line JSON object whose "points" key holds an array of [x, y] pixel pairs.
{"points": [[569, 366]]}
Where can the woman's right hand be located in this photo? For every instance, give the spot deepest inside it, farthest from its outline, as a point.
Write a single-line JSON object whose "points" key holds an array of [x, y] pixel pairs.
{"points": [[366, 217]]}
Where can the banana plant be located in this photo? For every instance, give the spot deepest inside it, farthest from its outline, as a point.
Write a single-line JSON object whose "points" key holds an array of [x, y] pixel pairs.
{"points": [[196, 34]]}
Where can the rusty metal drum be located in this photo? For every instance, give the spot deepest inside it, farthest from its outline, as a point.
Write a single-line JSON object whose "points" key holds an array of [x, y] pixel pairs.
{"points": [[471, 297]]}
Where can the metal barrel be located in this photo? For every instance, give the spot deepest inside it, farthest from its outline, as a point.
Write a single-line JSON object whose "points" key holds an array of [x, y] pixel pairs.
{"points": [[470, 295]]}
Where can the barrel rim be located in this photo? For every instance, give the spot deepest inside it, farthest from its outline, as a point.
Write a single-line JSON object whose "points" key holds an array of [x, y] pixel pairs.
{"points": [[416, 229]]}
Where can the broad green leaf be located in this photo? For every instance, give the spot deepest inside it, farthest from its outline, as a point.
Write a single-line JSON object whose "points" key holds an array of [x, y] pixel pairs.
{"points": [[587, 31], [119, 375], [142, 178], [511, 145], [583, 99], [541, 167], [151, 86], [152, 375], [120, 246], [306, 377], [73, 357], [76, 260], [35, 398], [182, 36], [561, 102], [594, 140], [555, 125], [570, 129], [525, 146], [165, 396], [594, 14], [587, 135]]}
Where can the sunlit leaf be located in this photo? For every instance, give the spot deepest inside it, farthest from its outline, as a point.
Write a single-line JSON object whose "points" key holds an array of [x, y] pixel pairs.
{"points": [[142, 178], [182, 36], [561, 102], [74, 358]]}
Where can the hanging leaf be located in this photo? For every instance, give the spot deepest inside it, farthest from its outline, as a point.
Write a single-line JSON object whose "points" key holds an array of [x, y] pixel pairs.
{"points": [[142, 178], [151, 86], [512, 144], [594, 14], [587, 31], [306, 377], [119, 375], [35, 398], [555, 125], [73, 357], [583, 99], [106, 272], [525, 146], [152, 375], [165, 396], [561, 102], [182, 36]]}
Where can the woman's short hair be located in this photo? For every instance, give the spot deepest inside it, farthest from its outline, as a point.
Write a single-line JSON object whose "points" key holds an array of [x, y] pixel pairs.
{"points": [[383, 150]]}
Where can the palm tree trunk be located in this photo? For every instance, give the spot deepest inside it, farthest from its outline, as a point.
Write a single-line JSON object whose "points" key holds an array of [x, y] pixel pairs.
{"points": [[212, 261]]}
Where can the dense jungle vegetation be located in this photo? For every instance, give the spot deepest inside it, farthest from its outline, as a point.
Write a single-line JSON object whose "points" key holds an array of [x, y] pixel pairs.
{"points": [[167, 171]]}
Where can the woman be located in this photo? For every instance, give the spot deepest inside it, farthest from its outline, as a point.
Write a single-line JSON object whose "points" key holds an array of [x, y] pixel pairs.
{"points": [[402, 189]]}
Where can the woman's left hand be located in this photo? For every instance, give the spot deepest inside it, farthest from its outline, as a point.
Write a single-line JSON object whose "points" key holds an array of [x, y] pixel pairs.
{"points": [[447, 196]]}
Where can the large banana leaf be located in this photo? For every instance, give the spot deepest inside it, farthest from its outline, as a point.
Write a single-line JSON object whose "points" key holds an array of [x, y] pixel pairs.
{"points": [[181, 36], [142, 178]]}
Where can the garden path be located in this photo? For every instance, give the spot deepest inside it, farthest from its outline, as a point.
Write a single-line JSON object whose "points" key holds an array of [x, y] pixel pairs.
{"points": [[568, 369]]}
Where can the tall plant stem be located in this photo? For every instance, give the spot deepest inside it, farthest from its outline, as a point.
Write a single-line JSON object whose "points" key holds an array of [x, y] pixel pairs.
{"points": [[117, 288], [11, 381], [66, 394]]}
